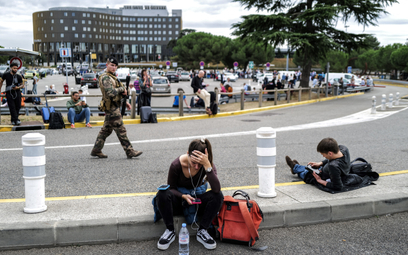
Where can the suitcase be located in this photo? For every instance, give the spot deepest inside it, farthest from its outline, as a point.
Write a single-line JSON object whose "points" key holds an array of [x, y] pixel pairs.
{"points": [[45, 111], [145, 112]]}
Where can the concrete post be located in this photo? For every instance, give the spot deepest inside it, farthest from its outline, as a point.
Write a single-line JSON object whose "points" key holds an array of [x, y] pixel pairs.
{"points": [[383, 102], [300, 94], [374, 104], [266, 152], [34, 172], [275, 96], [242, 99], [390, 102], [397, 98], [260, 99]]}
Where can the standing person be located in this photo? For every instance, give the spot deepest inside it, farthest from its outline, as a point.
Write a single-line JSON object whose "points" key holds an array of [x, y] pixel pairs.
{"points": [[341, 83], [14, 82], [137, 88], [78, 111], [112, 90], [35, 82], [80, 92], [186, 179], [197, 85], [145, 83]]}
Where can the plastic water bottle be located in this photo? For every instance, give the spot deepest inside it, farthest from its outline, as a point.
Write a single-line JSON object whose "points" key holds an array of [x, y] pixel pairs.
{"points": [[184, 239]]}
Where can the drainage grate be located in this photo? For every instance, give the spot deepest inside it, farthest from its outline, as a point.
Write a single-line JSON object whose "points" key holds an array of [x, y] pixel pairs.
{"points": [[251, 120]]}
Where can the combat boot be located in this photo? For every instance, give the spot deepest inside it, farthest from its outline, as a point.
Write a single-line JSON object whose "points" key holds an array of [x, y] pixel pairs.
{"points": [[132, 153], [98, 154]]}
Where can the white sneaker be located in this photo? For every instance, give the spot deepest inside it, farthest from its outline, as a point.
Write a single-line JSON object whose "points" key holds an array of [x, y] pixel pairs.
{"points": [[205, 238], [166, 239]]}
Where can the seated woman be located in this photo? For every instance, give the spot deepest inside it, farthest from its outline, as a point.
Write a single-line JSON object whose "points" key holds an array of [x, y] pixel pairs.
{"points": [[188, 171]]}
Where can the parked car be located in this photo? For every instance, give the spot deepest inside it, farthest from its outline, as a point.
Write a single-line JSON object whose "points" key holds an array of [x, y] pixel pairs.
{"points": [[101, 66], [90, 80], [133, 75], [172, 76], [30, 74], [184, 76], [43, 72], [68, 70], [4, 69], [122, 73], [161, 85], [154, 74], [231, 76], [54, 71]]}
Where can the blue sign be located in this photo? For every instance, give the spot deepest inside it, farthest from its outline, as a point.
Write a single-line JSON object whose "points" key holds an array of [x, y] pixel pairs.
{"points": [[65, 52], [349, 69]]}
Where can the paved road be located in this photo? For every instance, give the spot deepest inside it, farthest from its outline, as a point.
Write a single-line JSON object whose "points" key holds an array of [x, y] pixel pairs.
{"points": [[71, 171], [386, 234]]}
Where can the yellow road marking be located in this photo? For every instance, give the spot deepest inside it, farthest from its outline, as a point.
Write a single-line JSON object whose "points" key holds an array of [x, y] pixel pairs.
{"points": [[143, 194]]}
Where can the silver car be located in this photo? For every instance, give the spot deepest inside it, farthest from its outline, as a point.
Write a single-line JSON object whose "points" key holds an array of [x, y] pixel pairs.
{"points": [[161, 85], [184, 76]]}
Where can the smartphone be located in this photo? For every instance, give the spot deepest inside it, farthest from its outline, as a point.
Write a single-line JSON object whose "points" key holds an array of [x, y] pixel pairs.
{"points": [[311, 169], [196, 201], [163, 187]]}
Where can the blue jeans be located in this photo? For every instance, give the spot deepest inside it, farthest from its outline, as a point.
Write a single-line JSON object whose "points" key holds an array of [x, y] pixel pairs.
{"points": [[79, 117], [300, 170], [35, 89]]}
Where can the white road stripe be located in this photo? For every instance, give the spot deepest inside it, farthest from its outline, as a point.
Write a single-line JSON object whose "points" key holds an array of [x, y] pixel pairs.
{"points": [[363, 116]]}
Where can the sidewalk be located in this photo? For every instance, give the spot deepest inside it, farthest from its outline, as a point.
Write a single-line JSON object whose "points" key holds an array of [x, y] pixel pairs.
{"points": [[129, 217]]}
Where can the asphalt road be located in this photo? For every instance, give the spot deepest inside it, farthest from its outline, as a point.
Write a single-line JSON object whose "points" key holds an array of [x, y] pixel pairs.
{"points": [[386, 234], [71, 171]]}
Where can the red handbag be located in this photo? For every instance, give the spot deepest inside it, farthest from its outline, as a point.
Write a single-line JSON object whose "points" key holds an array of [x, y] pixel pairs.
{"points": [[239, 219]]}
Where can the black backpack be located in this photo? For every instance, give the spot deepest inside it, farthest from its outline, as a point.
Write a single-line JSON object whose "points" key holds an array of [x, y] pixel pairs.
{"points": [[360, 165], [56, 121]]}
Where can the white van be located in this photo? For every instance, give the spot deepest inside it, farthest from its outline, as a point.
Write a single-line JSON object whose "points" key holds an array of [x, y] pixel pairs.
{"points": [[122, 73]]}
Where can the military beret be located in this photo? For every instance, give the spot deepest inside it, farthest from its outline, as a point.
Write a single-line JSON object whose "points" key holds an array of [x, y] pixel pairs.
{"points": [[113, 60]]}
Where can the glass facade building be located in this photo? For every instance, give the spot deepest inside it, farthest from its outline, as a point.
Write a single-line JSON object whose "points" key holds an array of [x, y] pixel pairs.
{"points": [[130, 34]]}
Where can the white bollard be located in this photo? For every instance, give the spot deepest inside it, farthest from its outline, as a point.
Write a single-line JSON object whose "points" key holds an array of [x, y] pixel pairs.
{"points": [[383, 102], [374, 105], [390, 100], [34, 172], [266, 152], [397, 98]]}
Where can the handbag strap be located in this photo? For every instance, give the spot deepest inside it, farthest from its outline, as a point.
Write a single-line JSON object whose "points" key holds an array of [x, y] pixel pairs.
{"points": [[358, 159], [248, 221]]}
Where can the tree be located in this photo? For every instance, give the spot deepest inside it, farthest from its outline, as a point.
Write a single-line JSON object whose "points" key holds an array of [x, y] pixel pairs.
{"points": [[200, 46], [3, 59], [309, 26], [399, 58], [172, 43], [244, 51], [384, 57], [367, 61], [338, 60]]}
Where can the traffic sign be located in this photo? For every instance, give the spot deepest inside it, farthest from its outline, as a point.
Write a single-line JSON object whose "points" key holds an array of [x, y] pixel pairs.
{"points": [[236, 64], [65, 52], [268, 64], [174, 64], [251, 64], [202, 63], [18, 61], [168, 63], [349, 69]]}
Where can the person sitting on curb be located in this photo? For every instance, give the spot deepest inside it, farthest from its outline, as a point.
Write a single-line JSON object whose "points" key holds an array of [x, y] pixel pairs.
{"points": [[330, 172], [52, 90], [176, 99], [78, 110], [187, 180]]}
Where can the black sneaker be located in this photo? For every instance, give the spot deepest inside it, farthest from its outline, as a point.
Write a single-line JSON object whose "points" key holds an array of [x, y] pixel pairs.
{"points": [[166, 239], [205, 238]]}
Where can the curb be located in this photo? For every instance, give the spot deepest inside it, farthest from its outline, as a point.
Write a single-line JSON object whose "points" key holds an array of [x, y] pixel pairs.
{"points": [[142, 228]]}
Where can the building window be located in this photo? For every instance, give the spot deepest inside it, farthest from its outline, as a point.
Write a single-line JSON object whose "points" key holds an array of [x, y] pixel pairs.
{"points": [[45, 21], [65, 14], [155, 39], [170, 20], [159, 39], [83, 35], [89, 29], [159, 19], [176, 26], [51, 14], [75, 21], [150, 38], [164, 25], [177, 19], [164, 32], [45, 35], [94, 29], [170, 26], [89, 22], [52, 21], [83, 14], [150, 32], [145, 19], [125, 25], [88, 15], [66, 28], [84, 28], [76, 35], [159, 32], [83, 21], [155, 32], [62, 35], [177, 32], [159, 26], [146, 32], [61, 21], [145, 38], [164, 19], [150, 26], [150, 19], [155, 19], [135, 48], [42, 28], [52, 35], [90, 36], [73, 14], [170, 32], [93, 16], [170, 38], [52, 28], [155, 26]]}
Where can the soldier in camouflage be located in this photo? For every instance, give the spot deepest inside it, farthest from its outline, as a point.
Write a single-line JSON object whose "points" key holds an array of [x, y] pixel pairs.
{"points": [[112, 91]]}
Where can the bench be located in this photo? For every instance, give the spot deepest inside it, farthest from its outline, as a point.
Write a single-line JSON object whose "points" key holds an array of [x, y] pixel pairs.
{"points": [[252, 96]]}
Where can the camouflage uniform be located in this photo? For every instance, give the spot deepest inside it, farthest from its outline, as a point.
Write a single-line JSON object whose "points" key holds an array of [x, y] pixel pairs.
{"points": [[112, 90]]}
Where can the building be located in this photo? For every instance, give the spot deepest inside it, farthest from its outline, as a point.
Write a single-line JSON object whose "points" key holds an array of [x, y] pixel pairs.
{"points": [[131, 33]]}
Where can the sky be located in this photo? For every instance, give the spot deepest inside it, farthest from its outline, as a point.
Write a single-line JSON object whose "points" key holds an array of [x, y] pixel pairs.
{"points": [[212, 16]]}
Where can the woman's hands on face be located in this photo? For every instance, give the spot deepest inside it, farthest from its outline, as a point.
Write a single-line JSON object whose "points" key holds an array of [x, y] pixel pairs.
{"points": [[201, 158]]}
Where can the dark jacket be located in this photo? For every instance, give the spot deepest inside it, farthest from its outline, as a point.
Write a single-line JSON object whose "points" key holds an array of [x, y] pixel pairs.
{"points": [[196, 83]]}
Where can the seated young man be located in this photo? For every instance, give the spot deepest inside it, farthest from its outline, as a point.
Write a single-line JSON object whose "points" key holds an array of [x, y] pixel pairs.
{"points": [[330, 172], [78, 110]]}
